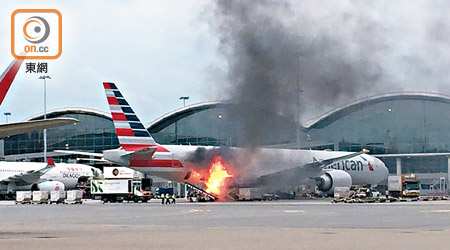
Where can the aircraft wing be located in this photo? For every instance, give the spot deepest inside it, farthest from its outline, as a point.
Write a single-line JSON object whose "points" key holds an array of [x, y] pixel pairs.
{"points": [[93, 160], [326, 162], [297, 175], [9, 129], [31, 176], [90, 154], [411, 155], [71, 152], [143, 154]]}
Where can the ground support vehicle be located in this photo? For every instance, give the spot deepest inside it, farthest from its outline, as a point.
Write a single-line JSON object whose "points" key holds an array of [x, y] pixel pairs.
{"points": [[404, 187], [119, 190]]}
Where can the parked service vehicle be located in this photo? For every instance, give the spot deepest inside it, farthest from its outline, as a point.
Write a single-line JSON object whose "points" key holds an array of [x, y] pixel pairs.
{"points": [[270, 197], [116, 190], [406, 186]]}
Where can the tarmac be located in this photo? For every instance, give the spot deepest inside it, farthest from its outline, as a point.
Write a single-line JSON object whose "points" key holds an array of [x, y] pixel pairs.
{"points": [[317, 224]]}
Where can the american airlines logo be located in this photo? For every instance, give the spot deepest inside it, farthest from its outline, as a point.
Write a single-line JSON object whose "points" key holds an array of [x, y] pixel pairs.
{"points": [[370, 166], [349, 165]]}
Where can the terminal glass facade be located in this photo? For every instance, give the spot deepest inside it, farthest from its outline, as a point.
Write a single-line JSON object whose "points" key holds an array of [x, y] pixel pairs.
{"points": [[400, 124], [216, 126], [385, 125], [92, 133], [394, 126], [206, 127]]}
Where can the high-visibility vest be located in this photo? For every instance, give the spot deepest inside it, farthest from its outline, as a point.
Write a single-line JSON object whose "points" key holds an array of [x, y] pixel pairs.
{"points": [[167, 196]]}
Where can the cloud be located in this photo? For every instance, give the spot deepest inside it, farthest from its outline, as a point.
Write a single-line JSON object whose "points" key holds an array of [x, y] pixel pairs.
{"points": [[155, 51], [338, 51]]}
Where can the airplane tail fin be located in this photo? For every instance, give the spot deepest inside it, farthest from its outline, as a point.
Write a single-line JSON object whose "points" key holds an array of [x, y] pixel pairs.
{"points": [[7, 77], [50, 162], [131, 132]]}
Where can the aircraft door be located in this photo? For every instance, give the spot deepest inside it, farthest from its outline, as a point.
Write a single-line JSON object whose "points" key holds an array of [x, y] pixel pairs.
{"points": [[175, 161]]}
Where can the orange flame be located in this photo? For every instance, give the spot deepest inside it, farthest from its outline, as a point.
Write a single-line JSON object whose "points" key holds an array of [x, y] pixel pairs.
{"points": [[217, 175]]}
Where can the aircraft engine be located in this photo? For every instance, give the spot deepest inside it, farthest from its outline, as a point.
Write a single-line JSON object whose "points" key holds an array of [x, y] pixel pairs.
{"points": [[334, 178], [49, 186]]}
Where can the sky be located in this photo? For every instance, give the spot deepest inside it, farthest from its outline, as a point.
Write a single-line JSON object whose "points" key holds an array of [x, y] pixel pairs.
{"points": [[155, 51]]}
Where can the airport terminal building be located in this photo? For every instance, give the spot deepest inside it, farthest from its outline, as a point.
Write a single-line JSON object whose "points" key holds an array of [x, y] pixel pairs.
{"points": [[390, 126]]}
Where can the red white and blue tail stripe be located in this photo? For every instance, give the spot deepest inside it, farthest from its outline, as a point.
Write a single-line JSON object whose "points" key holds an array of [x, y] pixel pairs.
{"points": [[8, 76], [131, 133]]}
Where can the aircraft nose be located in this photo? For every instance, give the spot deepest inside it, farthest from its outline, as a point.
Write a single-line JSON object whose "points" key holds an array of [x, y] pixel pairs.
{"points": [[382, 167]]}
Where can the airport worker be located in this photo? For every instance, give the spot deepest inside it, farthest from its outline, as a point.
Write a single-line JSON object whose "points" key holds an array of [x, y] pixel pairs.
{"points": [[162, 199], [173, 199], [167, 198]]}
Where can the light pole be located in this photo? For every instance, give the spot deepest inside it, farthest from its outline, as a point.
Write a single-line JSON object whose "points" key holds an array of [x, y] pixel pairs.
{"points": [[6, 115], [299, 92], [184, 98], [45, 114]]}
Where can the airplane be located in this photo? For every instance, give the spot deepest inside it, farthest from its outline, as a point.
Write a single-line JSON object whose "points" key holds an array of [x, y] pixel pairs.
{"points": [[10, 129], [24, 176], [267, 167]]}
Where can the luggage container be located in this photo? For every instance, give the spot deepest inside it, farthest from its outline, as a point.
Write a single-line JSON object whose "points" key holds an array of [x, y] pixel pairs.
{"points": [[23, 197], [341, 192], [74, 197], [40, 197], [250, 194], [57, 197]]}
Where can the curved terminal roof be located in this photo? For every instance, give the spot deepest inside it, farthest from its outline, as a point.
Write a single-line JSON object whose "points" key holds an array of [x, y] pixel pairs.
{"points": [[64, 111], [340, 112], [171, 117], [320, 122]]}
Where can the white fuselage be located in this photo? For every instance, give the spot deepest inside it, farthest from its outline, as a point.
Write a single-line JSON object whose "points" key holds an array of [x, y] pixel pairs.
{"points": [[66, 173], [177, 161]]}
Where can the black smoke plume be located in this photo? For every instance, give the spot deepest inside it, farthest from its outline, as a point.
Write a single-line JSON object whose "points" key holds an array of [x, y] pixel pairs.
{"points": [[328, 53]]}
